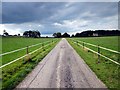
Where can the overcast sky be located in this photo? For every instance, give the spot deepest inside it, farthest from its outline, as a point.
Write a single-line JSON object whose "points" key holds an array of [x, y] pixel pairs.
{"points": [[50, 17]]}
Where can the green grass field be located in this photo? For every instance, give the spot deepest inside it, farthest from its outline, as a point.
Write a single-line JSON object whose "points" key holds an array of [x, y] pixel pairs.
{"points": [[106, 70], [12, 74], [15, 72], [107, 42], [13, 43]]}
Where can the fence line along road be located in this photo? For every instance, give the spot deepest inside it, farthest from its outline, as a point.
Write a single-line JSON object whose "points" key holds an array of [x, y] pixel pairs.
{"points": [[24, 56], [21, 49], [99, 47], [98, 53]]}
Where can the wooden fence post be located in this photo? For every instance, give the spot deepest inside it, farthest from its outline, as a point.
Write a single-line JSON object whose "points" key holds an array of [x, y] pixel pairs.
{"points": [[98, 54], [77, 42], [43, 46], [27, 50], [83, 45], [52, 41]]}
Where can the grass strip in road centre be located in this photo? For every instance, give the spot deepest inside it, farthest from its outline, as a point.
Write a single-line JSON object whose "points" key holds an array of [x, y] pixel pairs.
{"points": [[105, 70]]}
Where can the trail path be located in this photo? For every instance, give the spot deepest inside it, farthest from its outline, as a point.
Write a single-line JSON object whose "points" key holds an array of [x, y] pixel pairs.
{"points": [[62, 68]]}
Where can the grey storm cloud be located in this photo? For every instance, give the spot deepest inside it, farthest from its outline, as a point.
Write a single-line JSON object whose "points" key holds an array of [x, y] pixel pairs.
{"points": [[20, 12], [59, 16], [17, 13]]}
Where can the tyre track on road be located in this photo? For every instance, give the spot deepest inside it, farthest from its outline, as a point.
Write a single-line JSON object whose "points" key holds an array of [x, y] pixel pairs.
{"points": [[62, 68]]}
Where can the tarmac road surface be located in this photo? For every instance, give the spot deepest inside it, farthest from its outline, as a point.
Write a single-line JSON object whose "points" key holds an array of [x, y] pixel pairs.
{"points": [[62, 68]]}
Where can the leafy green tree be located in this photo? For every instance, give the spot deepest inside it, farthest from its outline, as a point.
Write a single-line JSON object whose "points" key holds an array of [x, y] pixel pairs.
{"points": [[65, 35], [35, 34], [57, 35], [5, 33]]}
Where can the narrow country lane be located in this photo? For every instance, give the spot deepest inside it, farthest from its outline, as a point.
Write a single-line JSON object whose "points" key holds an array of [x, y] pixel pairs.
{"points": [[62, 68]]}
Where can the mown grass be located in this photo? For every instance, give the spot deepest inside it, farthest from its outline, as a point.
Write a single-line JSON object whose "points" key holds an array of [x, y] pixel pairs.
{"points": [[15, 72], [13, 43], [107, 42], [106, 70]]}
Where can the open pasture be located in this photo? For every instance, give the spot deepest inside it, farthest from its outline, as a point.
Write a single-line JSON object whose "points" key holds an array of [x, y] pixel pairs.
{"points": [[14, 43], [105, 42], [106, 70], [15, 72]]}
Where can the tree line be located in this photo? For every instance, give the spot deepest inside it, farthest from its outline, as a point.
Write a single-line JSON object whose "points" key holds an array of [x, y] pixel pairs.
{"points": [[34, 34], [89, 33], [96, 33], [59, 35]]}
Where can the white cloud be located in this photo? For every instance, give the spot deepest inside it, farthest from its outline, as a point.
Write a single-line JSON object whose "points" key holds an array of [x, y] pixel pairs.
{"points": [[88, 14], [79, 25], [68, 17], [10, 31], [68, 4], [72, 24], [13, 29], [57, 24]]}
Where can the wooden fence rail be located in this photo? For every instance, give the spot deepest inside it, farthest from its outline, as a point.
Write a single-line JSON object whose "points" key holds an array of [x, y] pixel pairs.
{"points": [[21, 49], [99, 47], [98, 52], [26, 54]]}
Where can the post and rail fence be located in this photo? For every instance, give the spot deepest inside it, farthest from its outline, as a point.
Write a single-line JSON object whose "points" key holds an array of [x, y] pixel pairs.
{"points": [[27, 51], [98, 50]]}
